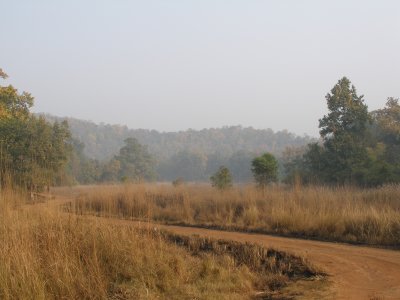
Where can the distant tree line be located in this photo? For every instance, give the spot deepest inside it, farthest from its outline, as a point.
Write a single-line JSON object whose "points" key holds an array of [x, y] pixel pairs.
{"points": [[192, 155], [103, 141], [133, 163], [356, 147]]}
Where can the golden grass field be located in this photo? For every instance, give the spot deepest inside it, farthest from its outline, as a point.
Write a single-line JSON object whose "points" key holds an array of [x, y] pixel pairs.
{"points": [[46, 253], [345, 214]]}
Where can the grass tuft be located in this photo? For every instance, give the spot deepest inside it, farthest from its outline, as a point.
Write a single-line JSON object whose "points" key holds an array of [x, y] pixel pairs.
{"points": [[346, 214], [47, 254]]}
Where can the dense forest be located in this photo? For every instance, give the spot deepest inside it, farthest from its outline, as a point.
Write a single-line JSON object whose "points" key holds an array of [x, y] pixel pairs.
{"points": [[192, 154], [102, 141]]}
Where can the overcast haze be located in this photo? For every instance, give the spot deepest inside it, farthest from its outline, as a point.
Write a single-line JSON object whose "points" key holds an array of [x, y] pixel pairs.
{"points": [[173, 65]]}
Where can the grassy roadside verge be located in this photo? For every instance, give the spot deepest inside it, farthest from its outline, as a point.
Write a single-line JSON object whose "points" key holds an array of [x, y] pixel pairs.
{"points": [[49, 255], [370, 217]]}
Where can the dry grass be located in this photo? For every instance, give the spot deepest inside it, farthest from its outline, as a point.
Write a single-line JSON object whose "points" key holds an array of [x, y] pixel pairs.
{"points": [[368, 216], [46, 254]]}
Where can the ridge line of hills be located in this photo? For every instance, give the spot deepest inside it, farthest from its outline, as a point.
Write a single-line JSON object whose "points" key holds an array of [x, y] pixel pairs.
{"points": [[102, 141]]}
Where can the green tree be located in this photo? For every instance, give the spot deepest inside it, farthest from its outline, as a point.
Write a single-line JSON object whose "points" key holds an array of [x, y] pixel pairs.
{"points": [[348, 114], [111, 170], [343, 156], [265, 169], [388, 122], [293, 165], [222, 179], [384, 154], [136, 163], [13, 104], [378, 170], [32, 151], [80, 168]]}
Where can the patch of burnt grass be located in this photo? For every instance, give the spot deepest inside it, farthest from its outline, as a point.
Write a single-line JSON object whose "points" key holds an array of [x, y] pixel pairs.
{"points": [[274, 269]]}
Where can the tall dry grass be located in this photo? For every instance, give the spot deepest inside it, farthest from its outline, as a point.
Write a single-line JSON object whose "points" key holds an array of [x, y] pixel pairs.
{"points": [[45, 254], [347, 214]]}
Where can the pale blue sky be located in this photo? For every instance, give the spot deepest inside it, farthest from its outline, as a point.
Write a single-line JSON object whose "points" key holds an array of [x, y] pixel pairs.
{"points": [[173, 65]]}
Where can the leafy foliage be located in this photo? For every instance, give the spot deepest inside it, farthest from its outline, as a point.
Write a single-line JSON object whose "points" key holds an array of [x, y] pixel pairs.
{"points": [[356, 147], [135, 161], [348, 114], [222, 179], [32, 151], [265, 169], [343, 131]]}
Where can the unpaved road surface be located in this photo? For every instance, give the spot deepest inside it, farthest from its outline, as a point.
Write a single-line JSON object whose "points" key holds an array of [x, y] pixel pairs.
{"points": [[355, 272]]}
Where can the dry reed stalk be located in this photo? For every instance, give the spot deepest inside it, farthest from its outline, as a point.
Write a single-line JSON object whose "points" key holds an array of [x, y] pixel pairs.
{"points": [[348, 214], [47, 254]]}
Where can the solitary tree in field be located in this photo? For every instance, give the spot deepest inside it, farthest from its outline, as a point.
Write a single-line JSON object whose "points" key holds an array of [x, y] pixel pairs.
{"points": [[265, 169], [222, 179]]}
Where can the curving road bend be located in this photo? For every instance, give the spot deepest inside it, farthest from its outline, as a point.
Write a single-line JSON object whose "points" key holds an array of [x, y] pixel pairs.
{"points": [[356, 272]]}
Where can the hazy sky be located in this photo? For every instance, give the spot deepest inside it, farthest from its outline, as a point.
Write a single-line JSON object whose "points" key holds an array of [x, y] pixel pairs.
{"points": [[173, 65]]}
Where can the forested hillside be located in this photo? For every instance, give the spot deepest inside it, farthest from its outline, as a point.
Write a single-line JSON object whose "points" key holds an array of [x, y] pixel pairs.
{"points": [[356, 147], [191, 155], [102, 141]]}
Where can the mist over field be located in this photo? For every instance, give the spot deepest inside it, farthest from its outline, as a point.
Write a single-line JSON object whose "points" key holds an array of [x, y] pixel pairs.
{"points": [[215, 149]]}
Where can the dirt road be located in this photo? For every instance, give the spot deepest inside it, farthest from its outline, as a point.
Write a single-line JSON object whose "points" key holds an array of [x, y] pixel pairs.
{"points": [[355, 272]]}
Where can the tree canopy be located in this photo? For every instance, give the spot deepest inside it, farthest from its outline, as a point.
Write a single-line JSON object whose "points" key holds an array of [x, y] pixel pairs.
{"points": [[135, 161], [32, 151], [265, 169], [357, 147], [222, 179]]}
